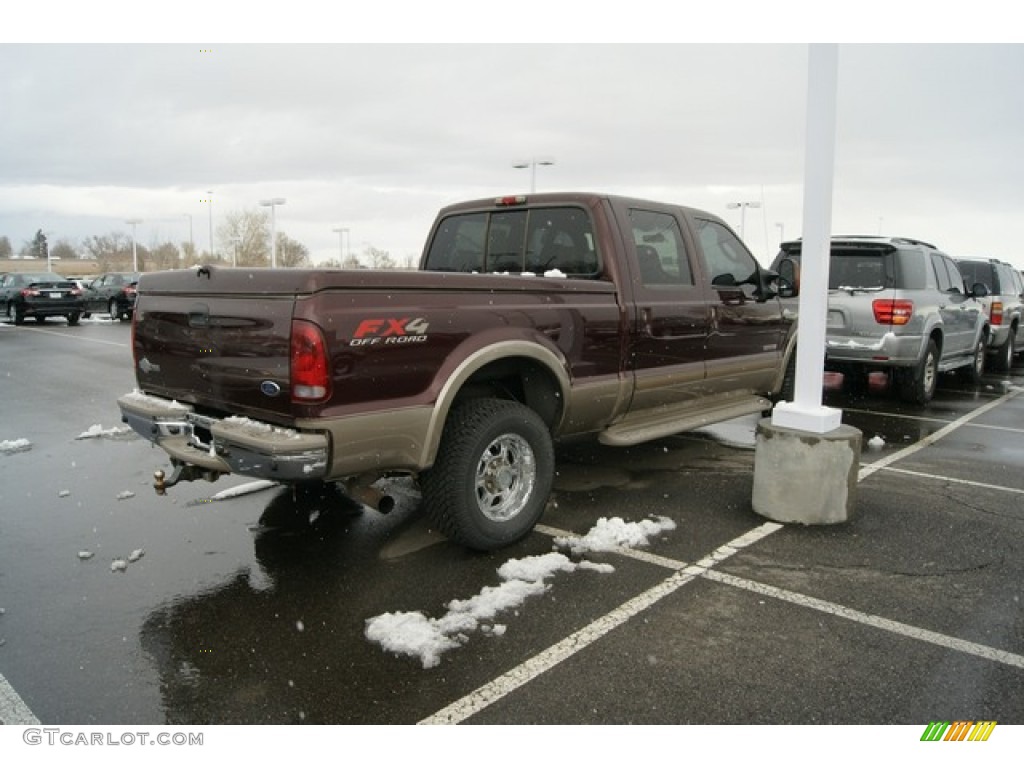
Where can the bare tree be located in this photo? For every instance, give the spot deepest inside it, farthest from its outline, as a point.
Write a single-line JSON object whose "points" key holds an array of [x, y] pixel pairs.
{"points": [[64, 251], [379, 259], [112, 252], [291, 253], [5, 248], [247, 231]]}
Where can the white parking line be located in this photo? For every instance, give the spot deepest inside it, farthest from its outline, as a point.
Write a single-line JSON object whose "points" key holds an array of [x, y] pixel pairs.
{"points": [[683, 574], [14, 711], [910, 450], [958, 481], [70, 335], [502, 686]]}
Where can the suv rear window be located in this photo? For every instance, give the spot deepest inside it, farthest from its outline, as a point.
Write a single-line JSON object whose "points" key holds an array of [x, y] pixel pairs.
{"points": [[979, 272], [858, 269], [535, 240]]}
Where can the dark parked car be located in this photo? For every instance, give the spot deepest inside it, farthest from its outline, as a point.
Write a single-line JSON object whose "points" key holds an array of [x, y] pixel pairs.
{"points": [[39, 295], [113, 293]]}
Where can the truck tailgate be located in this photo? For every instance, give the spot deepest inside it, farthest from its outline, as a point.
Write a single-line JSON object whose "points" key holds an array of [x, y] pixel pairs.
{"points": [[223, 352]]}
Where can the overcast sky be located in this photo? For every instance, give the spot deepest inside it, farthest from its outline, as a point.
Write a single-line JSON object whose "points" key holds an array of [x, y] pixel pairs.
{"points": [[376, 137]]}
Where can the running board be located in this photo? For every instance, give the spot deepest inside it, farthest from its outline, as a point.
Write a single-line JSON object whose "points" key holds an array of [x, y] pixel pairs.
{"points": [[662, 422]]}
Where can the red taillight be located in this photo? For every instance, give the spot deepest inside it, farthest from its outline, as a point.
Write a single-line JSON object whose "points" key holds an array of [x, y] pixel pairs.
{"points": [[892, 311], [26, 292], [129, 290], [996, 313], [310, 378]]}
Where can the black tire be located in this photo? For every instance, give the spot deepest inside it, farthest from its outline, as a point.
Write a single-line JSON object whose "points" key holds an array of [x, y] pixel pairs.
{"points": [[40, 319], [492, 476], [14, 314], [788, 391], [974, 372], [918, 384], [1005, 353], [74, 317]]}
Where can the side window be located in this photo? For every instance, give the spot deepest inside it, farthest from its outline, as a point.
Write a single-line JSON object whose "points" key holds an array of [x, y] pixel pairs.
{"points": [[660, 252], [728, 259], [942, 278], [560, 239]]}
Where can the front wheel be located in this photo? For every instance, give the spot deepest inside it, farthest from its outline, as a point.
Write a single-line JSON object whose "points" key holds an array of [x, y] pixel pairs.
{"points": [[492, 476]]}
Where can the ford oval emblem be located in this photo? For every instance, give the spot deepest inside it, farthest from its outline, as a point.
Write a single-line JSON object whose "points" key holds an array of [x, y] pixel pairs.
{"points": [[270, 389]]}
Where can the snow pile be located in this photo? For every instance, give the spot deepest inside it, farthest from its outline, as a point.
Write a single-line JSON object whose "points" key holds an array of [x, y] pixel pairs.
{"points": [[876, 443], [259, 428], [614, 533], [15, 446], [412, 633], [141, 398], [97, 430], [243, 489]]}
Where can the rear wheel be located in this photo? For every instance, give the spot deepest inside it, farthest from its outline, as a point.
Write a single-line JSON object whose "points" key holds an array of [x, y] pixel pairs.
{"points": [[917, 384], [74, 317], [973, 373], [1003, 359], [493, 474]]}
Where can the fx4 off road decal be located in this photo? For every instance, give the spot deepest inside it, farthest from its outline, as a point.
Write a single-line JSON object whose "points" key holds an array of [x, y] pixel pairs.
{"points": [[390, 330]]}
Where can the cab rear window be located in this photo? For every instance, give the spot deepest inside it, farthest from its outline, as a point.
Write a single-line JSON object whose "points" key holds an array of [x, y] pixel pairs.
{"points": [[535, 240]]}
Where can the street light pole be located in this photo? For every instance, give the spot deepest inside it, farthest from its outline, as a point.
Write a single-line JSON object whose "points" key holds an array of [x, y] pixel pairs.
{"points": [[273, 202], [342, 231], [532, 165], [743, 212], [191, 241], [135, 254], [234, 255], [209, 201]]}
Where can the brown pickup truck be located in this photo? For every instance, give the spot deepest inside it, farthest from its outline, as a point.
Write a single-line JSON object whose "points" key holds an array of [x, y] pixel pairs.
{"points": [[531, 319]]}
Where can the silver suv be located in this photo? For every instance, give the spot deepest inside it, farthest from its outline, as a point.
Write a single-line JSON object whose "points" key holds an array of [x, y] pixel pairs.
{"points": [[1003, 306], [898, 305]]}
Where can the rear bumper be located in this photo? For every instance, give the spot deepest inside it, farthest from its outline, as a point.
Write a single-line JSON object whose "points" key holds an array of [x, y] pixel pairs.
{"points": [[888, 350], [231, 445]]}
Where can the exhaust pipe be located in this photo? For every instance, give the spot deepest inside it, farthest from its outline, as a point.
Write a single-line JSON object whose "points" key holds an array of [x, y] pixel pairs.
{"points": [[362, 491]]}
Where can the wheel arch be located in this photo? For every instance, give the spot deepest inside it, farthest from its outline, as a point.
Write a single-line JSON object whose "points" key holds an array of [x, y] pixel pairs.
{"points": [[524, 371]]}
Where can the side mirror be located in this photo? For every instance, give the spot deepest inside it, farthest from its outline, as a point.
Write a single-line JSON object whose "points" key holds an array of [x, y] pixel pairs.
{"points": [[789, 278], [979, 290]]}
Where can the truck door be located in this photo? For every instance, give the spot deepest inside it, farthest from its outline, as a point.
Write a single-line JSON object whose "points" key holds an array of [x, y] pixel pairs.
{"points": [[746, 337], [672, 315]]}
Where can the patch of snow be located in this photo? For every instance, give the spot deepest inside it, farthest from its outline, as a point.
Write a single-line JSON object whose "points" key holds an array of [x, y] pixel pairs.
{"points": [[735, 433], [555, 273], [97, 430], [136, 555], [125, 495], [243, 489], [412, 633], [254, 427], [84, 554], [876, 443], [614, 533], [119, 565], [141, 398], [63, 494], [15, 446]]}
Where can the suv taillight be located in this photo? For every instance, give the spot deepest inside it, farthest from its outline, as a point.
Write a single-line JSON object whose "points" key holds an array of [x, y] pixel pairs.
{"points": [[892, 311], [995, 313], [310, 376]]}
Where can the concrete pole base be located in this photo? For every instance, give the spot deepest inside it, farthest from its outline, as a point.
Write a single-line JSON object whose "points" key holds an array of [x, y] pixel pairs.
{"points": [[804, 477]]}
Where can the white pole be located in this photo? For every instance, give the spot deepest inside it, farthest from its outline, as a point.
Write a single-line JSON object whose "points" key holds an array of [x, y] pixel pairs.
{"points": [[807, 412]]}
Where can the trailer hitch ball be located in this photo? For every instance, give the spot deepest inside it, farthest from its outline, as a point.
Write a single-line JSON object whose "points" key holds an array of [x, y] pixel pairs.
{"points": [[160, 483]]}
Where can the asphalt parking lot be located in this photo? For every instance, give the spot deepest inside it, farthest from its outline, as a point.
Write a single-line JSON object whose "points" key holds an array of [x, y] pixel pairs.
{"points": [[908, 613]]}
